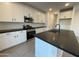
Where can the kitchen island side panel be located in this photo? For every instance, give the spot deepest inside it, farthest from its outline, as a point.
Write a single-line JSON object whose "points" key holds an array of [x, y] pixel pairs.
{"points": [[44, 49]]}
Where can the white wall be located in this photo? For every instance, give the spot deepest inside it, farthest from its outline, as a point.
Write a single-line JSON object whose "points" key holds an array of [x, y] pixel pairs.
{"points": [[50, 20], [75, 21]]}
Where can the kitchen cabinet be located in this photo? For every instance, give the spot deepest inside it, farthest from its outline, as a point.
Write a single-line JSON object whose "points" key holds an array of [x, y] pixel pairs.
{"points": [[22, 37], [66, 14], [11, 39], [31, 12], [26, 11], [15, 12], [43, 19], [6, 12], [18, 12], [11, 12], [38, 16], [35, 15]]}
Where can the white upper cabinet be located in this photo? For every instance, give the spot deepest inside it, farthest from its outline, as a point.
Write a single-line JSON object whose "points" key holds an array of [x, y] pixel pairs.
{"points": [[38, 16], [15, 12], [11, 12], [6, 12], [18, 12], [26, 11], [42, 18], [66, 14]]}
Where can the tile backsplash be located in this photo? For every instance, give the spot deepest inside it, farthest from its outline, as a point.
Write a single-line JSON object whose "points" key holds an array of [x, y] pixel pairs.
{"points": [[15, 25]]}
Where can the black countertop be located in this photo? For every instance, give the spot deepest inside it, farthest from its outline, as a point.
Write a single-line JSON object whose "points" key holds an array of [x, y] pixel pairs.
{"points": [[65, 40], [10, 30]]}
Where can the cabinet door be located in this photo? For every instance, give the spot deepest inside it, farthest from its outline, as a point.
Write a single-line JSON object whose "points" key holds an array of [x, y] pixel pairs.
{"points": [[6, 12], [66, 14], [21, 37], [43, 18], [11, 12], [18, 12], [26, 11], [39, 17], [10, 39], [35, 16], [7, 40]]}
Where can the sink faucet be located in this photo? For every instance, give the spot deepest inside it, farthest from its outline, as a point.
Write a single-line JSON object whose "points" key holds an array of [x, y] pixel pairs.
{"points": [[58, 27]]}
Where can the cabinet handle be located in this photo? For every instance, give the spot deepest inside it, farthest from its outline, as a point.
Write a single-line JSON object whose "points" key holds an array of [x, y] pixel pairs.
{"points": [[13, 19], [15, 36]]}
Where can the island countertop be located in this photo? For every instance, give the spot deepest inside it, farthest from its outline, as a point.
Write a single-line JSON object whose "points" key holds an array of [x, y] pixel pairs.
{"points": [[65, 40]]}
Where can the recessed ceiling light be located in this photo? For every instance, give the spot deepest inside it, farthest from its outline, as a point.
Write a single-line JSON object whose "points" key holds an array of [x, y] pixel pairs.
{"points": [[50, 9], [67, 4]]}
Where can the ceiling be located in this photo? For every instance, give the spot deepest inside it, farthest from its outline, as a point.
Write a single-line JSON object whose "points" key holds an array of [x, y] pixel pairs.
{"points": [[44, 6]]}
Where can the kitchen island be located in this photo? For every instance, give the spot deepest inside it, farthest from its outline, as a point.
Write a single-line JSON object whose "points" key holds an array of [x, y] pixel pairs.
{"points": [[47, 43]]}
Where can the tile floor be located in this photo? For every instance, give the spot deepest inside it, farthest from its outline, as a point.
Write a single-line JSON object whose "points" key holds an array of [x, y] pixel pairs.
{"points": [[26, 49]]}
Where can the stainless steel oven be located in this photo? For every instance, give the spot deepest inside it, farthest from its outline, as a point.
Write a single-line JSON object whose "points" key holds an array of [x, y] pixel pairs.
{"points": [[30, 31]]}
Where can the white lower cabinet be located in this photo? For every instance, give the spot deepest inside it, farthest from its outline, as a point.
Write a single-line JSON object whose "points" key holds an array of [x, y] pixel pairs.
{"points": [[21, 36], [10, 39]]}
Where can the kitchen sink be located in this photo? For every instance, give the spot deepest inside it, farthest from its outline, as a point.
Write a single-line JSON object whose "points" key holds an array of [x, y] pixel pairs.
{"points": [[54, 30]]}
